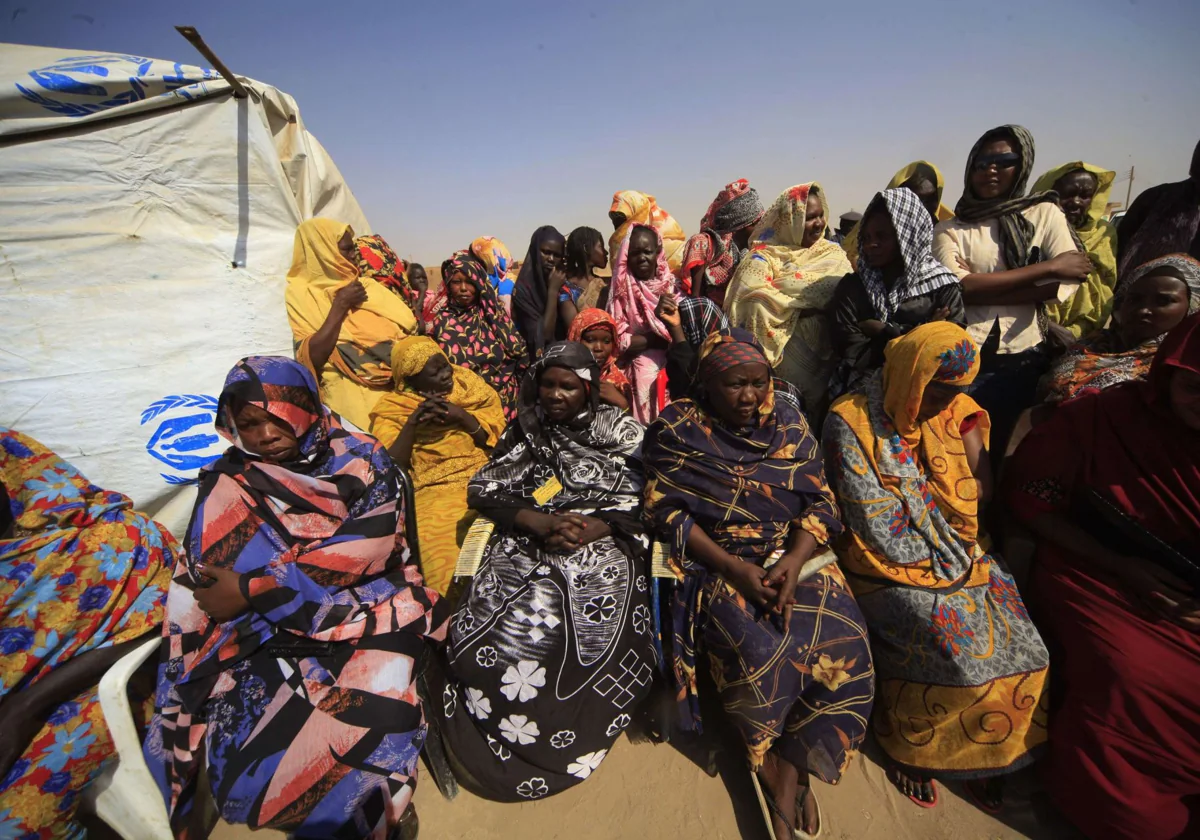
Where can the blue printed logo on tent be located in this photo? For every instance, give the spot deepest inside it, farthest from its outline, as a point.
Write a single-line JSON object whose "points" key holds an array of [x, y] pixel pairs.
{"points": [[184, 439], [83, 85]]}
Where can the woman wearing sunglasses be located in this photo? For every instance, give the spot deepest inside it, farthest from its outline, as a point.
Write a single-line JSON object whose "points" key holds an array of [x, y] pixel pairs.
{"points": [[1013, 254]]}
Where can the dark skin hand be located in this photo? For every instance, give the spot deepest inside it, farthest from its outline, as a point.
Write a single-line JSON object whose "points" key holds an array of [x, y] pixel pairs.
{"points": [[667, 311], [562, 533], [323, 341], [436, 412], [222, 599], [611, 394], [25, 710]]}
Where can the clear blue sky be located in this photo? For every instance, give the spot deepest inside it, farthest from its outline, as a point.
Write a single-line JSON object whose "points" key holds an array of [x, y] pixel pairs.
{"points": [[452, 119]]}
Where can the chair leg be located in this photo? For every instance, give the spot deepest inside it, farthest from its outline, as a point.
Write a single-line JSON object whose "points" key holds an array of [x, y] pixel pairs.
{"points": [[434, 750]]}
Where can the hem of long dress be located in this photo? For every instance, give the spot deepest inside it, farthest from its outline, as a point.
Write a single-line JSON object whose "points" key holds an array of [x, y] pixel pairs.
{"points": [[1025, 760]]}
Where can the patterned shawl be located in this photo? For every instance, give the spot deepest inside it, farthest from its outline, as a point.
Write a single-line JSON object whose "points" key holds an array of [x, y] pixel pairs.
{"points": [[439, 454], [900, 179], [745, 488], [481, 337], [1089, 308], [319, 542], [378, 261], [642, 209], [497, 261], [590, 464], [908, 495], [597, 318], [1101, 360], [734, 208], [780, 277], [923, 273], [364, 346]]}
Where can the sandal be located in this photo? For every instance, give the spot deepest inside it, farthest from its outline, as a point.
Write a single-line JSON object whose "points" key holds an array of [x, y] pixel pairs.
{"points": [[800, 833], [992, 808], [894, 771], [768, 805]]}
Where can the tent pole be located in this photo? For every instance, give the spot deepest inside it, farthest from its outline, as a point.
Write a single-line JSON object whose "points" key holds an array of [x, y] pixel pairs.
{"points": [[193, 37]]}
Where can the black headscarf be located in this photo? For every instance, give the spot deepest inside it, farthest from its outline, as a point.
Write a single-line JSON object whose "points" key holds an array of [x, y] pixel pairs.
{"points": [[529, 299], [1162, 220]]}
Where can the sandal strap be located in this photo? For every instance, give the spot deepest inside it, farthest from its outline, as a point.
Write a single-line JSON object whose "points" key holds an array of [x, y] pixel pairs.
{"points": [[770, 800]]}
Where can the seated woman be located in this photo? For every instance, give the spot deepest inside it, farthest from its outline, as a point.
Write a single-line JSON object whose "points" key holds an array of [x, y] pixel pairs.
{"points": [[585, 253], [551, 648], [597, 331], [1014, 254], [439, 424], [475, 332], [343, 325], [962, 669], [83, 578], [924, 179], [712, 255], [782, 291], [1083, 192], [629, 208], [535, 300], [737, 488], [898, 285], [378, 261], [1149, 302], [1110, 484], [498, 265], [293, 625]]}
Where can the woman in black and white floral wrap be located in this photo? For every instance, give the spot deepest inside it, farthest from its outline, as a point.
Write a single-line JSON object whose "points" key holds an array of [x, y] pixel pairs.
{"points": [[551, 648]]}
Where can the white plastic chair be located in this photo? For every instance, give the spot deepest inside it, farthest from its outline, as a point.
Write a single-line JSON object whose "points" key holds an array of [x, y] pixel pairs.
{"points": [[125, 795]]}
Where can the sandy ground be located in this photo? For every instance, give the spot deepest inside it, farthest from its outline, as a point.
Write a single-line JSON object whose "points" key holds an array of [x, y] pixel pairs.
{"points": [[652, 791]]}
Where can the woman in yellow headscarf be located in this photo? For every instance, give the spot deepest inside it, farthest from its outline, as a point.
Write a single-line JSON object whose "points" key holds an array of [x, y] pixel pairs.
{"points": [[1083, 192], [961, 668], [440, 423], [783, 290], [629, 208], [343, 325], [923, 178]]}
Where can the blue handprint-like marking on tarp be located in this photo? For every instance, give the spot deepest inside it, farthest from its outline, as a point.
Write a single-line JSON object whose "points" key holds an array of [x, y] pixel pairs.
{"points": [[184, 439]]}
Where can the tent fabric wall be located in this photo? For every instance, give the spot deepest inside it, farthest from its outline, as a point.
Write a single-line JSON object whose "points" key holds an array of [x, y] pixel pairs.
{"points": [[143, 250]]}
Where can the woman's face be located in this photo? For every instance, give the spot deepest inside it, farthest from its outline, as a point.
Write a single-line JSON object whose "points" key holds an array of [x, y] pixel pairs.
{"points": [[1075, 193], [877, 241], [552, 252], [346, 246], [738, 393], [437, 377], [561, 394], [926, 192], [461, 291], [1184, 393], [417, 278], [265, 435], [616, 218], [814, 221], [995, 170], [643, 254], [599, 255], [936, 399], [1151, 307], [741, 237], [600, 341]]}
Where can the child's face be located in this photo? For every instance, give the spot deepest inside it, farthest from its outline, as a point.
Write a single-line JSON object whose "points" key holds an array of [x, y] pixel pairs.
{"points": [[600, 341]]}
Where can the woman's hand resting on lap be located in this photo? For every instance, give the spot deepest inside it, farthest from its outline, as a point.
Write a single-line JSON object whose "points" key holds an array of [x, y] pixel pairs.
{"points": [[222, 599]]}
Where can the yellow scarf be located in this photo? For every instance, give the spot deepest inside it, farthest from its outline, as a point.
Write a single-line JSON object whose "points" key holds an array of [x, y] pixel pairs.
{"points": [[1088, 309], [641, 209], [779, 278], [439, 455], [850, 243]]}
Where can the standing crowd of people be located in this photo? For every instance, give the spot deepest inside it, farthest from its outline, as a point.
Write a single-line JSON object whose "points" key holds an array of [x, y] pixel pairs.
{"points": [[825, 440]]}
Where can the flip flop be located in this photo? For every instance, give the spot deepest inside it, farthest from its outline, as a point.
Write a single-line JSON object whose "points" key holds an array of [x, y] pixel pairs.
{"points": [[932, 786], [800, 833], [768, 805], [979, 803]]}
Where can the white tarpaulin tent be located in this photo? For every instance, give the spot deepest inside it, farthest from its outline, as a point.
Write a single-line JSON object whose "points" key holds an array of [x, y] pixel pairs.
{"points": [[146, 226]]}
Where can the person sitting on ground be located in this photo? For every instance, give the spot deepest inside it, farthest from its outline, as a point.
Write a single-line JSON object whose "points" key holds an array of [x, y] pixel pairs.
{"points": [[1110, 484], [294, 625], [737, 489], [439, 425], [343, 325], [378, 261], [782, 292], [959, 660], [1149, 302], [1162, 220], [712, 255], [641, 278], [1083, 191], [585, 254], [475, 332], [596, 330], [898, 285], [552, 646], [629, 208], [83, 578], [1013, 253], [924, 179], [535, 301]]}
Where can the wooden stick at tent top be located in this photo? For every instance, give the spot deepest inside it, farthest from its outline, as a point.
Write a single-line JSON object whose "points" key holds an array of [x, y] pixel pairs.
{"points": [[193, 37]]}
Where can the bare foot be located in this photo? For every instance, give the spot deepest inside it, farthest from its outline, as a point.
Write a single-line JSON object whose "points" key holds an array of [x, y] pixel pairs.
{"points": [[917, 787], [810, 818], [778, 778]]}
